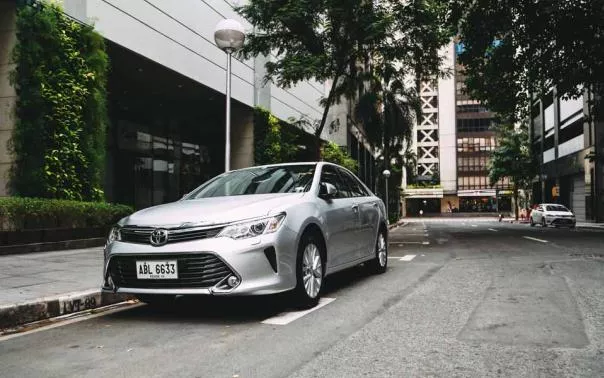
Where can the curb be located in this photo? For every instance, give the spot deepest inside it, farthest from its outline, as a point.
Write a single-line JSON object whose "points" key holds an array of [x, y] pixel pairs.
{"points": [[591, 227], [397, 224], [50, 307], [51, 246]]}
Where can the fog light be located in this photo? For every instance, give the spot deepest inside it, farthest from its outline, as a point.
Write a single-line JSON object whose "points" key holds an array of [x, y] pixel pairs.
{"points": [[233, 281]]}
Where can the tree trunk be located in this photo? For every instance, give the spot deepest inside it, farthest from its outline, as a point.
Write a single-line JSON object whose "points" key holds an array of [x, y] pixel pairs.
{"points": [[516, 202], [321, 126]]}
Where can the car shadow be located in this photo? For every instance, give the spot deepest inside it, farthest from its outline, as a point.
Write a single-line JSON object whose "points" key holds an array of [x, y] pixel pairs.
{"points": [[233, 310]]}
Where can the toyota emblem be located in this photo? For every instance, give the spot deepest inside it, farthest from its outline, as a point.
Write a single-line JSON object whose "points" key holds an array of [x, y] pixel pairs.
{"points": [[159, 237]]}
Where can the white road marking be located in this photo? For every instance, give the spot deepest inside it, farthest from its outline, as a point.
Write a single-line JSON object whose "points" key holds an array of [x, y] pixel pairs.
{"points": [[535, 239], [426, 243], [288, 317], [75, 319], [492, 229], [394, 257], [400, 244], [474, 225], [408, 257]]}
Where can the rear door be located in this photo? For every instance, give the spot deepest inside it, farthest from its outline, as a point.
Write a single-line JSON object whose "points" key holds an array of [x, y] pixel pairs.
{"points": [[368, 213], [341, 220]]}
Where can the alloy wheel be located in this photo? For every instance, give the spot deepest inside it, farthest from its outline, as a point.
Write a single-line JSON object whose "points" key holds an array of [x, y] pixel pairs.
{"points": [[382, 251], [312, 270]]}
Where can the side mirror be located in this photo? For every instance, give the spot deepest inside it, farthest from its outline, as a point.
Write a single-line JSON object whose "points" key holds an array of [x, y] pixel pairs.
{"points": [[327, 190]]}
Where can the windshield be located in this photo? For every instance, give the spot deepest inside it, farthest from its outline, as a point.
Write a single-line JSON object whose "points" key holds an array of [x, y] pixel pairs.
{"points": [[261, 180], [556, 208]]}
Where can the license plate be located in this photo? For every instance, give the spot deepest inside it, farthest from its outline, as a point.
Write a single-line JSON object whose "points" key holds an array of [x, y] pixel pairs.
{"points": [[157, 270]]}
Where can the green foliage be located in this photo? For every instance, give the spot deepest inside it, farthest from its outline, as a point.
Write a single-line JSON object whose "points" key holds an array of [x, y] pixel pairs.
{"points": [[273, 143], [332, 153], [512, 157], [516, 48], [19, 213], [60, 78], [338, 40]]}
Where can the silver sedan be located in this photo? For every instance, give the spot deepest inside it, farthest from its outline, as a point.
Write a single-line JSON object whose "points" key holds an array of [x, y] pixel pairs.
{"points": [[259, 230]]}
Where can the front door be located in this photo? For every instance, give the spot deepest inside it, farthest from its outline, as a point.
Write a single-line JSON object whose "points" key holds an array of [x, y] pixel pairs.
{"points": [[368, 213], [341, 220]]}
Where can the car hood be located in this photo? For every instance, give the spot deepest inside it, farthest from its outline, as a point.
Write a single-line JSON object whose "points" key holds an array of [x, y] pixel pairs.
{"points": [[558, 213], [208, 211]]}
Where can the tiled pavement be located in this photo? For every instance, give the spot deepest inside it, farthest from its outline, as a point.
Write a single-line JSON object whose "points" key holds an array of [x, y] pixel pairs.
{"points": [[27, 277]]}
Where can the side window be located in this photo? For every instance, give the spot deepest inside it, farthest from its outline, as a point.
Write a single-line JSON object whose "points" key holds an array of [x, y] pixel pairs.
{"points": [[356, 189], [330, 176]]}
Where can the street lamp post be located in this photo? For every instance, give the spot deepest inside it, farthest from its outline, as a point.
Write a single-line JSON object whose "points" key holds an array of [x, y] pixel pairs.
{"points": [[229, 37], [386, 174]]}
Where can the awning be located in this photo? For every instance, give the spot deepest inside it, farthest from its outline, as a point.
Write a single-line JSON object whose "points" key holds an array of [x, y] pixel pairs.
{"points": [[423, 193], [477, 193]]}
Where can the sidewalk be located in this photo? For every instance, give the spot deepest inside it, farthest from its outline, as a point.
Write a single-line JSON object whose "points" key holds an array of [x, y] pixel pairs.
{"points": [[36, 286]]}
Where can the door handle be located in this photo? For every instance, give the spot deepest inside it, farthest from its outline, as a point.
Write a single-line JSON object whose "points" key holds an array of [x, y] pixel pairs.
{"points": [[355, 208], [375, 204]]}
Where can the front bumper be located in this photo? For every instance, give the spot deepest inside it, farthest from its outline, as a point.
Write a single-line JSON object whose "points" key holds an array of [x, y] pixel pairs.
{"points": [[559, 221], [263, 265]]}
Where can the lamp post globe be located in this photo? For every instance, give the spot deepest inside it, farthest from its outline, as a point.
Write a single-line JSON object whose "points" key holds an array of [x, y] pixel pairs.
{"points": [[386, 174], [229, 37]]}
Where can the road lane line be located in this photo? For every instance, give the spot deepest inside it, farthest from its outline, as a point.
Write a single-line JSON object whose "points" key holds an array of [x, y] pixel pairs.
{"points": [[474, 225], [400, 244], [408, 257], [535, 239], [492, 229], [426, 243], [288, 317]]}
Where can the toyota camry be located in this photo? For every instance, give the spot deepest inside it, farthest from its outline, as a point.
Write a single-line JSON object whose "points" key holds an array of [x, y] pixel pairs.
{"points": [[259, 230]]}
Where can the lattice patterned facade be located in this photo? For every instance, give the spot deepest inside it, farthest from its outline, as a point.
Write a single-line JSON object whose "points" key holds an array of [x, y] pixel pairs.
{"points": [[427, 131]]}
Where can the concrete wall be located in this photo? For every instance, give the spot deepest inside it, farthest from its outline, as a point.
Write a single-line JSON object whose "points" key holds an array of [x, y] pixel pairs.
{"points": [[242, 137], [447, 127], [8, 96], [180, 36]]}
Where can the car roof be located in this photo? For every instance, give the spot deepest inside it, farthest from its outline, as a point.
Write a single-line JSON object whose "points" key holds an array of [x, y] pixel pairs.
{"points": [[551, 204]]}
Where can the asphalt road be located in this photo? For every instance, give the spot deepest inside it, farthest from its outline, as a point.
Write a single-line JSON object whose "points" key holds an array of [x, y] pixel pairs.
{"points": [[460, 298]]}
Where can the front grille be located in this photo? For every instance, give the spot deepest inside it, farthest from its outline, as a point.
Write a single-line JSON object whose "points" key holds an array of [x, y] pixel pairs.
{"points": [[142, 235], [562, 221], [194, 271]]}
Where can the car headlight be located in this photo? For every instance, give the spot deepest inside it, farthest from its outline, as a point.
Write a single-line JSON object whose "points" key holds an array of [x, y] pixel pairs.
{"points": [[253, 228], [114, 235]]}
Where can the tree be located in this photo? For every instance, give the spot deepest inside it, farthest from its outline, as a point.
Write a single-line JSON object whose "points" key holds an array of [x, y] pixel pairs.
{"points": [[512, 158], [516, 49], [338, 39], [513, 49], [332, 153]]}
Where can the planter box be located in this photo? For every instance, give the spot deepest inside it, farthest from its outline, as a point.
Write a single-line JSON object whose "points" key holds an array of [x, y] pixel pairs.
{"points": [[50, 235]]}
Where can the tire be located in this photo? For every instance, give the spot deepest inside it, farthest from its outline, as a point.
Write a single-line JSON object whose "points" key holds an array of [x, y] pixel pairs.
{"points": [[532, 222], [310, 272], [157, 300], [379, 264]]}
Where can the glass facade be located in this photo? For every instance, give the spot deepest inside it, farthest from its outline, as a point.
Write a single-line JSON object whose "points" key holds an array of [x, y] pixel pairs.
{"points": [[475, 142], [166, 133]]}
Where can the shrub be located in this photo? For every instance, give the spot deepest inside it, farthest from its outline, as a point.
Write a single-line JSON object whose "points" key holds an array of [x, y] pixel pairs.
{"points": [[17, 213], [332, 153], [60, 77]]}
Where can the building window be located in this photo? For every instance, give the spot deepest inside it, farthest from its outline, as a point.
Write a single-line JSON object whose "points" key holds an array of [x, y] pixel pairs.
{"points": [[471, 108], [474, 124]]}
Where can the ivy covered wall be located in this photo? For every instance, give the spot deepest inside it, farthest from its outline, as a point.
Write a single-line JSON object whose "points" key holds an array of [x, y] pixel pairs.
{"points": [[60, 78]]}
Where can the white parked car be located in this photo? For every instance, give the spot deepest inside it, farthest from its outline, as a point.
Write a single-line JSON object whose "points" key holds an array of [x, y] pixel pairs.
{"points": [[552, 214]]}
